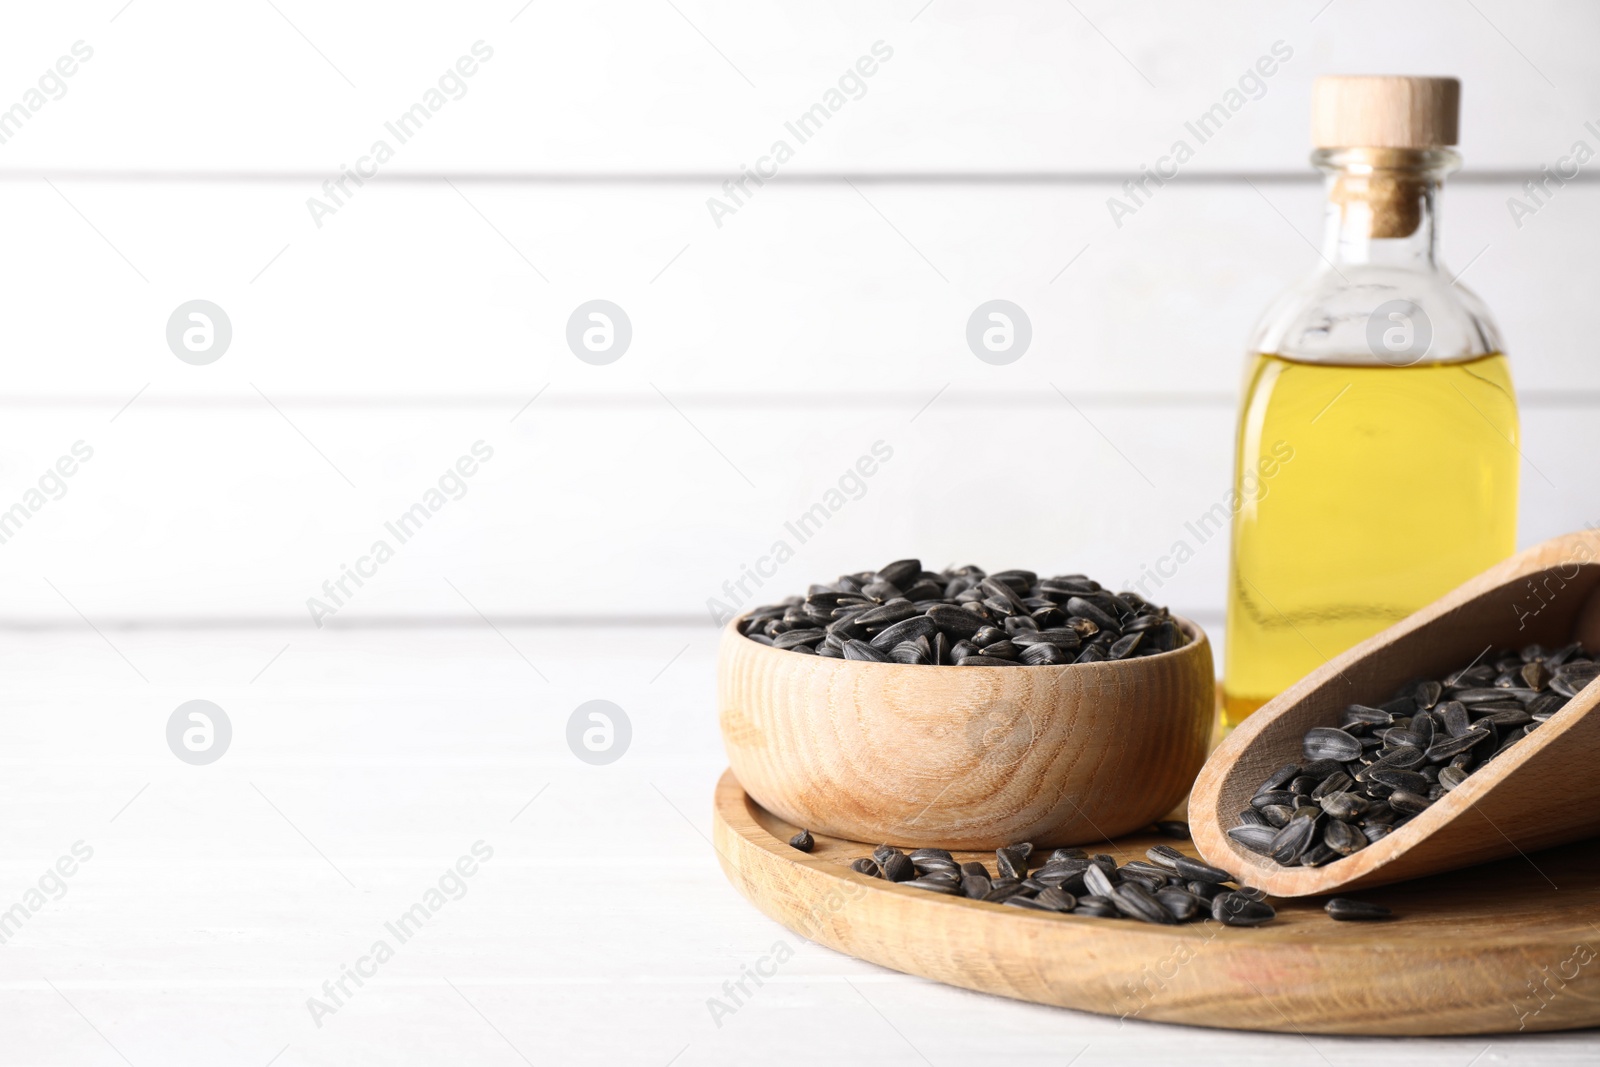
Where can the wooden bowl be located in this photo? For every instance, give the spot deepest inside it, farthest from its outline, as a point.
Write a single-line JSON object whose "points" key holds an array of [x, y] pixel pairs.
{"points": [[1540, 793], [966, 757]]}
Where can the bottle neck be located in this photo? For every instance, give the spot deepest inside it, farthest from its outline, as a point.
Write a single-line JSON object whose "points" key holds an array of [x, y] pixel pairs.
{"points": [[1382, 205]]}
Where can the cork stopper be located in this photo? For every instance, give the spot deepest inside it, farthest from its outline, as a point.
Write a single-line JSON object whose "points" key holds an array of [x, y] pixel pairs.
{"points": [[1380, 122], [1384, 111]]}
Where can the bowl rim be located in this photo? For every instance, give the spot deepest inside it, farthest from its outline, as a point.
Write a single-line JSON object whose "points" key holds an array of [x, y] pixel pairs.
{"points": [[1196, 632]]}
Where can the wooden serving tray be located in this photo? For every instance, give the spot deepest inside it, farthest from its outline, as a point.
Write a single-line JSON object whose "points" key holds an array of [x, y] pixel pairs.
{"points": [[1492, 949]]}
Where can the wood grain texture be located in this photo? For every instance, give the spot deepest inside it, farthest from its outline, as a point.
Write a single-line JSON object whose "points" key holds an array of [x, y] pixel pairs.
{"points": [[1384, 111], [1540, 793], [1462, 957], [965, 757]]}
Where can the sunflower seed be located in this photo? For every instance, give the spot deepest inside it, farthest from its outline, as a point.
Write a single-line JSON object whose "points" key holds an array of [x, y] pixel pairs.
{"points": [[1323, 767], [1255, 838], [1400, 757], [1011, 862], [1124, 646], [1572, 678], [860, 650], [904, 630], [1042, 655], [1057, 899], [867, 866], [901, 572], [1137, 902], [1343, 838], [1192, 870], [1446, 747], [1066, 876], [886, 615], [1410, 781], [1097, 881], [1279, 778], [1360, 713], [1337, 782], [1079, 607], [1277, 815], [1345, 806], [1098, 907], [1062, 639], [1343, 909], [1164, 856], [1408, 803], [1237, 909], [1506, 717], [803, 841], [1144, 869], [1323, 742], [1002, 890], [1180, 904], [1019, 901], [897, 867], [1289, 842], [936, 885], [913, 653], [1545, 705], [1535, 675], [1275, 796]]}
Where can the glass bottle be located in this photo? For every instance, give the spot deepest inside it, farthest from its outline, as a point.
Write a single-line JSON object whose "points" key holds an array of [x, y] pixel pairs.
{"points": [[1376, 459]]}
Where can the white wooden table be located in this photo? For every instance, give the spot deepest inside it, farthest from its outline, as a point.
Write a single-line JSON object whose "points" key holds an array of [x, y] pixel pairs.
{"points": [[363, 764]]}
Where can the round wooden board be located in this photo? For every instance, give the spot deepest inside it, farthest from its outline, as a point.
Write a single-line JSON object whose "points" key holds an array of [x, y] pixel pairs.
{"points": [[1493, 949]]}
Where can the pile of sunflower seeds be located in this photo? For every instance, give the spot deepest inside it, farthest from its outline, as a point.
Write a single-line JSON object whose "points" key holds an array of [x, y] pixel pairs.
{"points": [[1171, 888], [1383, 766], [962, 616]]}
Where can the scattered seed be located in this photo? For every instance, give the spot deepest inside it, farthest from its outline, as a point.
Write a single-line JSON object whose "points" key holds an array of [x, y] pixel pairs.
{"points": [[1343, 909], [1164, 856], [935, 885], [1195, 871], [898, 868], [1097, 881], [1237, 909], [1180, 903], [1057, 899], [1019, 901], [1170, 887], [1011, 862], [803, 841]]}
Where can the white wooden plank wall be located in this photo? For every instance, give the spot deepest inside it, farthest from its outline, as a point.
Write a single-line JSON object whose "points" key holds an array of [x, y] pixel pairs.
{"points": [[825, 314]]}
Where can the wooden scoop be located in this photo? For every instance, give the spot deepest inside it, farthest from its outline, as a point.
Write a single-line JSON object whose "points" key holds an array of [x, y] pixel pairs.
{"points": [[1541, 792]]}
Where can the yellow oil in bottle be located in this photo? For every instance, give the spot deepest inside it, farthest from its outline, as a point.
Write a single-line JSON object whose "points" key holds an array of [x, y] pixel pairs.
{"points": [[1363, 493]]}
